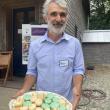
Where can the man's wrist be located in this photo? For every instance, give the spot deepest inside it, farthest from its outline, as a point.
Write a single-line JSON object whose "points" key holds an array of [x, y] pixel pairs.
{"points": [[22, 90]]}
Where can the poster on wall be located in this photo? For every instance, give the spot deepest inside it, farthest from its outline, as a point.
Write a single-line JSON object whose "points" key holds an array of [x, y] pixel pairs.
{"points": [[30, 33]]}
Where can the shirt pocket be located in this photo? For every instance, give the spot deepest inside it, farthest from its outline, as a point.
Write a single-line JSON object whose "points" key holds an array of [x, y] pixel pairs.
{"points": [[65, 63], [64, 71]]}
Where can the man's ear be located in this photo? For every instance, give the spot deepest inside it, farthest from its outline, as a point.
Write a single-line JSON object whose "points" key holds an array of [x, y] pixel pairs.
{"points": [[45, 18]]}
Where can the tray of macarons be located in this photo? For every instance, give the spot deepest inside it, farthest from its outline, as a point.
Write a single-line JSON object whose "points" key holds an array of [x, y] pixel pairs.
{"points": [[40, 100]]}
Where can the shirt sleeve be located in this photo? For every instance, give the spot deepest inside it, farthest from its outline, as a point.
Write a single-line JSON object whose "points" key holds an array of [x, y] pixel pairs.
{"points": [[32, 62], [78, 64]]}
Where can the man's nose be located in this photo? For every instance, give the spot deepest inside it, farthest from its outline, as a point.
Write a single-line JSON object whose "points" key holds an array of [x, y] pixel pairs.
{"points": [[58, 17]]}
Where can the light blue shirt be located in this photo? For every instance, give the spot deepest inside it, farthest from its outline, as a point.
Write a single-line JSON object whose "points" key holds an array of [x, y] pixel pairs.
{"points": [[55, 64]]}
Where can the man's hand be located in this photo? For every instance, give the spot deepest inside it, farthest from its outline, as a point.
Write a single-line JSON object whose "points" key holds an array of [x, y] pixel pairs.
{"points": [[73, 107], [18, 93], [28, 83]]}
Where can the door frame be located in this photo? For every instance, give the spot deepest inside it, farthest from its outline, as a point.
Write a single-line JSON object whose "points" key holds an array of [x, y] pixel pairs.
{"points": [[15, 34]]}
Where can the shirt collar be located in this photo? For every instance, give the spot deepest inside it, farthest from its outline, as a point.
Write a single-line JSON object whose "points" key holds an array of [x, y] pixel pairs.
{"points": [[64, 37]]}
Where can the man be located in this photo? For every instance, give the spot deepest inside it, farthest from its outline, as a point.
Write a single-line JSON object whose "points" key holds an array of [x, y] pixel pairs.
{"points": [[55, 60]]}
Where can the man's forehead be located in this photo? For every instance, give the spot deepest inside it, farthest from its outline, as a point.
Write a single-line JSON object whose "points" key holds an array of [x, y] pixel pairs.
{"points": [[53, 0], [55, 7]]}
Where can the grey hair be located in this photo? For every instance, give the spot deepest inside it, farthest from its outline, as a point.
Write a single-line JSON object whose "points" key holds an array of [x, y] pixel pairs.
{"points": [[61, 3]]}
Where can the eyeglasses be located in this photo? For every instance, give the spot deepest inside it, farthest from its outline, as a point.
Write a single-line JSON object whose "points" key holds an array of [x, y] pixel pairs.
{"points": [[62, 14]]}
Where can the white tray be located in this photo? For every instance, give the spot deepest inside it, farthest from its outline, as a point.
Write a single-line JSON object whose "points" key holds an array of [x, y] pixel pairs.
{"points": [[69, 104]]}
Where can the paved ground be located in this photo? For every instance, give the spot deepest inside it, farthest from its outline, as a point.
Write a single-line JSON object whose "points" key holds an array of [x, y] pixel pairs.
{"points": [[98, 80], [95, 80], [5, 96]]}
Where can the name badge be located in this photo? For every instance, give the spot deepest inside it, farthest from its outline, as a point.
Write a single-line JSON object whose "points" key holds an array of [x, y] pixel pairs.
{"points": [[63, 63]]}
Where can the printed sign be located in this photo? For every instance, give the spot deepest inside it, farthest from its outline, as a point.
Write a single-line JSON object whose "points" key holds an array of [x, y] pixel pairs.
{"points": [[30, 33]]}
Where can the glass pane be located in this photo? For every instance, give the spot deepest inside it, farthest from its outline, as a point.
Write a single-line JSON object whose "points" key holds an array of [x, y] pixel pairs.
{"points": [[31, 16], [19, 19]]}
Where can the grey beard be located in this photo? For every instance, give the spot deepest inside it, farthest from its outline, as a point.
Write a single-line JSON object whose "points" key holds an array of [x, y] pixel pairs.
{"points": [[57, 31]]}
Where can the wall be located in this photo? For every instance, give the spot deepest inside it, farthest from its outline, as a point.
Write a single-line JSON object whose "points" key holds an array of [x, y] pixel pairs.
{"points": [[96, 36], [76, 18], [97, 53], [96, 44], [2, 29]]}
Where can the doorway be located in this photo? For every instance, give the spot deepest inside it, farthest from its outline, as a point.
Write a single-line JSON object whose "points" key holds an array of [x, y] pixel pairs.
{"points": [[20, 16]]}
